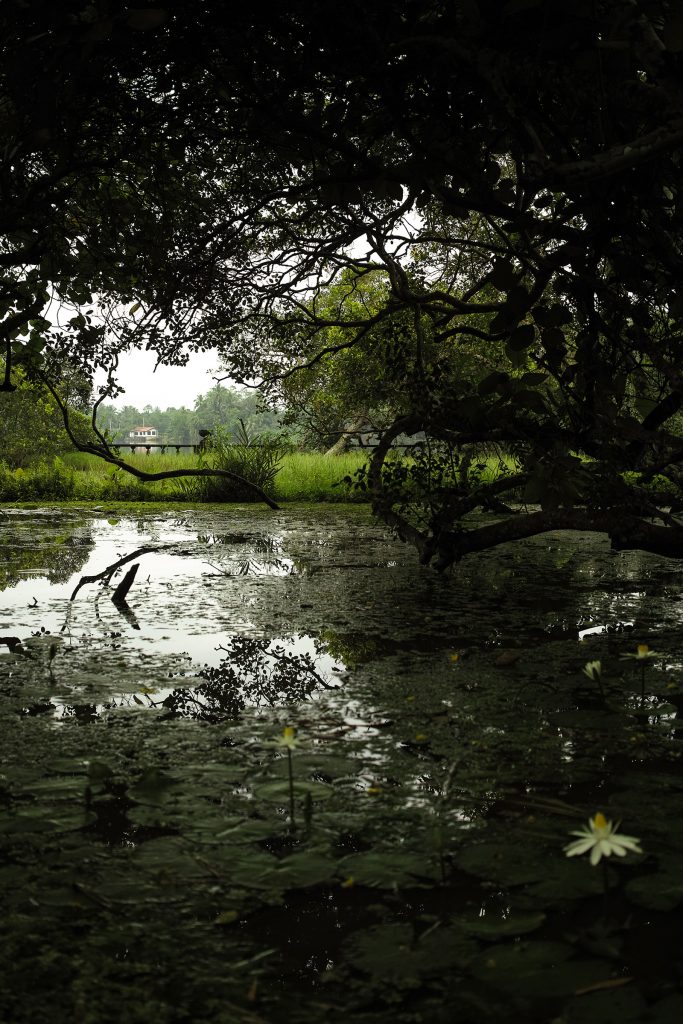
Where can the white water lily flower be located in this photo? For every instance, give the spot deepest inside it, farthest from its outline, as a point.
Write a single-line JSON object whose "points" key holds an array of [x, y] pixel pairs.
{"points": [[288, 738], [593, 669], [642, 652], [601, 837]]}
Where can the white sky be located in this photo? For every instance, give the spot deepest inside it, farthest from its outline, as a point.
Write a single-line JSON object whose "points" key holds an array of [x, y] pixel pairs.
{"points": [[168, 386]]}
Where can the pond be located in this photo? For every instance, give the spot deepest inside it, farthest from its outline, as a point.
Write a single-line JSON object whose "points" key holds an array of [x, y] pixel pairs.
{"points": [[294, 776]]}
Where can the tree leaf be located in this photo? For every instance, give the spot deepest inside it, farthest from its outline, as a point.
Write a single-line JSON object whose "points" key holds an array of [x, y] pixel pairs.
{"points": [[503, 275], [522, 337], [492, 383]]}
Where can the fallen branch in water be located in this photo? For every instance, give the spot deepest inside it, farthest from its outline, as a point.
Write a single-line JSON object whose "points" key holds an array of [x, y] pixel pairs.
{"points": [[121, 592], [107, 573]]}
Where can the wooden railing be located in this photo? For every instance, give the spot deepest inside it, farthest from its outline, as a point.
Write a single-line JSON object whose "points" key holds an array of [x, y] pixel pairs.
{"points": [[118, 446]]}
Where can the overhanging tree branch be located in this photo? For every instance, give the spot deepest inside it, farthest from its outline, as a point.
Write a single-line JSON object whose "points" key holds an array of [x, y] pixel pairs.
{"points": [[104, 452]]}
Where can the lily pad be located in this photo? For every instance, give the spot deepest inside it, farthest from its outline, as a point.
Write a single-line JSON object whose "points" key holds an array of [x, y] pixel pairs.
{"points": [[169, 858], [386, 870], [149, 816], [567, 880], [59, 788], [491, 927], [20, 824], [303, 869], [73, 821], [660, 891], [394, 954], [279, 791], [613, 1006], [506, 863], [667, 1011], [153, 788], [536, 969]]}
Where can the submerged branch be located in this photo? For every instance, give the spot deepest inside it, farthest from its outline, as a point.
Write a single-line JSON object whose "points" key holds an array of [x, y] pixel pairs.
{"points": [[120, 594], [107, 573]]}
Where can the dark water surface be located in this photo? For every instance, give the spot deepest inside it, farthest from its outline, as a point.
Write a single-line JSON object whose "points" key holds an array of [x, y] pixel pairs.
{"points": [[447, 742]]}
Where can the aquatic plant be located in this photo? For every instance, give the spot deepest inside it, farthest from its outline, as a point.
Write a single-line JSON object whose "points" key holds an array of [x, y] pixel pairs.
{"points": [[423, 865], [602, 839], [593, 669], [289, 741], [642, 655]]}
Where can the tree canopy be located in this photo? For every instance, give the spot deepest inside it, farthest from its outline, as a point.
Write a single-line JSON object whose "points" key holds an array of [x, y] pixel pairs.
{"points": [[219, 407], [509, 171]]}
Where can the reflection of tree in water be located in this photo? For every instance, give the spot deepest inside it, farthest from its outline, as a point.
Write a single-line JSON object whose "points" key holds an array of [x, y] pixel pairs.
{"points": [[261, 557], [261, 543], [254, 672], [27, 551]]}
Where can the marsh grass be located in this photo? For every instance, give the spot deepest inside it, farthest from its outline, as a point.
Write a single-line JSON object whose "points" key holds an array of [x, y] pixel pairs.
{"points": [[309, 476], [303, 476]]}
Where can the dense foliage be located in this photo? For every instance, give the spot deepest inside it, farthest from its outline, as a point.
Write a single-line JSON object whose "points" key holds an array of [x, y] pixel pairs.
{"points": [[219, 407], [508, 171]]}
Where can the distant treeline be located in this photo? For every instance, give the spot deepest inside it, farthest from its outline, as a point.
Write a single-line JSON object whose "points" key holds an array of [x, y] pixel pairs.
{"points": [[221, 406]]}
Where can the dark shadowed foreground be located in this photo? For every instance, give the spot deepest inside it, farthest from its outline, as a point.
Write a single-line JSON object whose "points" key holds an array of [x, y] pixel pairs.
{"points": [[295, 777]]}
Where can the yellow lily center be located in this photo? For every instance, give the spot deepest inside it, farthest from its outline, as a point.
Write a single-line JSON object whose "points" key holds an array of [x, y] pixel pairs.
{"points": [[599, 821], [289, 732], [642, 650]]}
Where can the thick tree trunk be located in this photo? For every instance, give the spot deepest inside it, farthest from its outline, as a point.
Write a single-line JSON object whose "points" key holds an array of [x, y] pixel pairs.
{"points": [[624, 531], [627, 529], [342, 442]]}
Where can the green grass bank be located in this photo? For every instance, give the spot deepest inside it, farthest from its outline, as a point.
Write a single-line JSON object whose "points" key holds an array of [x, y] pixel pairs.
{"points": [[78, 477]]}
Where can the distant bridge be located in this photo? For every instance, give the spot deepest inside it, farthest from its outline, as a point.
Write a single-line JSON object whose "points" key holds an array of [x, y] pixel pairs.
{"points": [[117, 446]]}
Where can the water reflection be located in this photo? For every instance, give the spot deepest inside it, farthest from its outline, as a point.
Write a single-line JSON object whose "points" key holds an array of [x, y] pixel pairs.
{"points": [[217, 577], [43, 551], [254, 672], [262, 558]]}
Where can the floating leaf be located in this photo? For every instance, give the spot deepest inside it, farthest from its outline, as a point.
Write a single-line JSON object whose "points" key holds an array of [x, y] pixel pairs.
{"points": [[536, 969], [60, 788], [393, 953], [612, 1006], [304, 869], [153, 788], [18, 824], [567, 880], [149, 816], [227, 917], [170, 858], [279, 791], [505, 862], [386, 870], [74, 821], [492, 927], [73, 765], [659, 891], [667, 1011]]}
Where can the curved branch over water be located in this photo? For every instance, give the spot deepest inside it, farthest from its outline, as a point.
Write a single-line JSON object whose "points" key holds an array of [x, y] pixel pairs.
{"points": [[104, 452]]}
